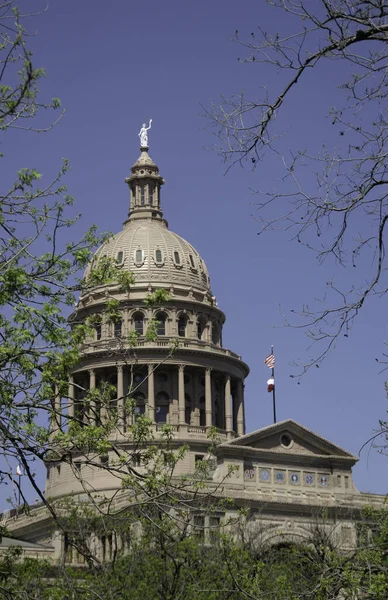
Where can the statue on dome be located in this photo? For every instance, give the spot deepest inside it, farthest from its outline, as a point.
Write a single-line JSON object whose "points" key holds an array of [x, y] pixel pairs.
{"points": [[143, 135]]}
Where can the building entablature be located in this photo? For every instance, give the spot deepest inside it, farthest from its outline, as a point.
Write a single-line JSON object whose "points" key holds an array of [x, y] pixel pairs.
{"points": [[281, 458]]}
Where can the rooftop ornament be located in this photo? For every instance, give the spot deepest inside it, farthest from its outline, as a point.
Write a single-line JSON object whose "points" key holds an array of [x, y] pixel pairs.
{"points": [[143, 135]]}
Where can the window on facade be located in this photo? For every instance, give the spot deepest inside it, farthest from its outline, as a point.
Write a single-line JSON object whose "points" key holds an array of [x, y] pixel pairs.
{"points": [[214, 527], [215, 334], [161, 407], [139, 406], [201, 326], [161, 324], [136, 459], [199, 526], [202, 414], [161, 414], [120, 257], [98, 329], [182, 323], [158, 256], [187, 409], [192, 263], [177, 258], [139, 256], [138, 378], [162, 377], [138, 320], [117, 328], [138, 411], [142, 195], [151, 188]]}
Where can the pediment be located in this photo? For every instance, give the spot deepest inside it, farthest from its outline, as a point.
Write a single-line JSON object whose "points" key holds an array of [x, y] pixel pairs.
{"points": [[289, 437]]}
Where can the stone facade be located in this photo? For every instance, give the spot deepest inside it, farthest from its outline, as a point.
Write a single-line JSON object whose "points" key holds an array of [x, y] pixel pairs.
{"points": [[284, 473]]}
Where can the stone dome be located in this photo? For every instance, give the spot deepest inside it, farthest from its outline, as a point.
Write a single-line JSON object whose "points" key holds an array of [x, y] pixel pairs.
{"points": [[156, 255], [146, 247]]}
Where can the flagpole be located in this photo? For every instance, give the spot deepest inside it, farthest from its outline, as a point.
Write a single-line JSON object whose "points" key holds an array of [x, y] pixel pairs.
{"points": [[273, 391], [20, 483]]}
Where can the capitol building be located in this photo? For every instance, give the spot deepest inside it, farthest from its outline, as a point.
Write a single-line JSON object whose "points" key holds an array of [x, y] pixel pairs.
{"points": [[185, 377]]}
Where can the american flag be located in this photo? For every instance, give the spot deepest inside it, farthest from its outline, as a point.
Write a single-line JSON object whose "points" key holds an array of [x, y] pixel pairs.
{"points": [[270, 361]]}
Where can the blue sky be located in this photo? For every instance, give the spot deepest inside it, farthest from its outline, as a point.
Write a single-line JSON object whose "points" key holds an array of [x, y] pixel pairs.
{"points": [[115, 65]]}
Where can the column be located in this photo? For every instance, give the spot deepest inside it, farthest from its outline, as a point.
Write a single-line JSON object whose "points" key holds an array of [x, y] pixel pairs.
{"points": [[240, 407], [151, 392], [181, 395], [208, 397], [120, 398], [228, 409], [71, 411], [92, 386]]}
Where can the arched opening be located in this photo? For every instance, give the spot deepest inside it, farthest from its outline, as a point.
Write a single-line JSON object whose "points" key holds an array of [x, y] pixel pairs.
{"points": [[188, 409], [182, 326], [159, 256], [98, 329], [162, 402], [201, 328], [118, 328], [161, 323], [139, 405], [202, 413], [215, 333], [138, 320], [142, 195]]}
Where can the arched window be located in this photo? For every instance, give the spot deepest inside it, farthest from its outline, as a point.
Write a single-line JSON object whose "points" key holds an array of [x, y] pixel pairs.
{"points": [[159, 256], [139, 404], [192, 263], [161, 326], [202, 413], [139, 376], [187, 409], [139, 257], [162, 377], [138, 319], [151, 188], [201, 328], [98, 329], [118, 328], [182, 324], [215, 334], [142, 195], [177, 257], [120, 257], [162, 402]]}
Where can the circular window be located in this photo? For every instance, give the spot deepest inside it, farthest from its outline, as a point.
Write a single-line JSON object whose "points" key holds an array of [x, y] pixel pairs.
{"points": [[138, 378], [294, 478], [309, 478], [264, 475], [324, 481], [286, 440], [280, 477]]}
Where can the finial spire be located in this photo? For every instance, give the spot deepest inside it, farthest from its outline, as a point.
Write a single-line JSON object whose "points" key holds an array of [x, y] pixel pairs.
{"points": [[143, 135]]}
